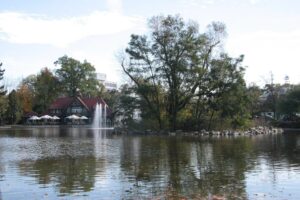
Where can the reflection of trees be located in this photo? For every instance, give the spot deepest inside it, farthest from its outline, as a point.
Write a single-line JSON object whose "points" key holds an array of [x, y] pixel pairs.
{"points": [[67, 173], [1, 162], [225, 172], [202, 168], [277, 152], [144, 158], [277, 148], [179, 167], [70, 159]]}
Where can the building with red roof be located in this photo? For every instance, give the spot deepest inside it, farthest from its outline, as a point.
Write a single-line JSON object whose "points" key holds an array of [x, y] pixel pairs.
{"points": [[80, 106]]}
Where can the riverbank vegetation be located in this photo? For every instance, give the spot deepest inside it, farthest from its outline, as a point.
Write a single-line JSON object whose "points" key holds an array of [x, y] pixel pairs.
{"points": [[178, 78]]}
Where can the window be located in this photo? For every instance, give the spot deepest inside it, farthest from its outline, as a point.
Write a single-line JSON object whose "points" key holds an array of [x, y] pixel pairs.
{"points": [[76, 110]]}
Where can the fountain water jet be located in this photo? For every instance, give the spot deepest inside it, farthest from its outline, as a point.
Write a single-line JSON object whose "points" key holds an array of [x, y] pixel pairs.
{"points": [[97, 122], [105, 115]]}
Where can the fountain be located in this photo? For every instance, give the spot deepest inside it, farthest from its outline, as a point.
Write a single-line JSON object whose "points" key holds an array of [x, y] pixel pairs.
{"points": [[100, 117], [105, 115], [97, 122]]}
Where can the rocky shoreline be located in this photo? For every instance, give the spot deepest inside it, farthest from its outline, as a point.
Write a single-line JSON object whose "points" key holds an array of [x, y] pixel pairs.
{"points": [[260, 130]]}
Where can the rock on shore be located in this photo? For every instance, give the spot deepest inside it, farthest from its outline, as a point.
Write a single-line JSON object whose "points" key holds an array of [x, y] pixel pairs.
{"points": [[260, 130]]}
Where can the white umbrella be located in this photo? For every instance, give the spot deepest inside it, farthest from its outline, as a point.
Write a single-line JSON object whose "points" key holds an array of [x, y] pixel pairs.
{"points": [[34, 118], [46, 117], [73, 117], [83, 117], [55, 117]]}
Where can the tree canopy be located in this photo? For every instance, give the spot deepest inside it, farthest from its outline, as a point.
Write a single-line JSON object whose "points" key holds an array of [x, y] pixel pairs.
{"points": [[46, 89], [77, 77], [2, 90], [175, 63]]}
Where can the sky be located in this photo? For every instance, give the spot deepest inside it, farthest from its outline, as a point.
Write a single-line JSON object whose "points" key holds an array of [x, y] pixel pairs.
{"points": [[35, 33]]}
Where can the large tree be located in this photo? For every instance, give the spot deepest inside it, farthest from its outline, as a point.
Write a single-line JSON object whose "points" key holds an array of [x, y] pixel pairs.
{"points": [[14, 110], [25, 96], [290, 103], [254, 93], [46, 88], [225, 91], [2, 90], [3, 100], [77, 77], [168, 66]]}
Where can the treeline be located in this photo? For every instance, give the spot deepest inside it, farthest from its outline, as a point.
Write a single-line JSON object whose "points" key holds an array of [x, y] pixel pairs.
{"points": [[35, 93]]}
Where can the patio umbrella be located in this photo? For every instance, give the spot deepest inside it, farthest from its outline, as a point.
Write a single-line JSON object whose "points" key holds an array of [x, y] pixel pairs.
{"points": [[83, 117], [55, 117], [33, 118], [73, 117], [46, 117]]}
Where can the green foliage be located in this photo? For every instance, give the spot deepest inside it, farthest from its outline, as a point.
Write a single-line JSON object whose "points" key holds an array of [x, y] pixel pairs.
{"points": [[14, 110], [2, 90], [126, 106], [290, 104], [222, 100], [3, 108], [184, 76], [76, 77], [3, 100], [26, 92], [254, 93], [37, 92], [273, 96], [46, 89], [29, 82], [169, 66]]}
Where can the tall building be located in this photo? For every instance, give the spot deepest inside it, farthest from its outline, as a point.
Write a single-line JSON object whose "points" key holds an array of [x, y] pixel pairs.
{"points": [[109, 85], [101, 77]]}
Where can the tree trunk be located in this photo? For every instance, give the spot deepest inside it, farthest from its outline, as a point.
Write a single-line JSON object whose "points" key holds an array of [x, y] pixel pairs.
{"points": [[173, 120], [210, 120]]}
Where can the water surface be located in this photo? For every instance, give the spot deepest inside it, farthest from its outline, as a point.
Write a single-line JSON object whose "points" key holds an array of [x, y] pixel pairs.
{"points": [[74, 163]]}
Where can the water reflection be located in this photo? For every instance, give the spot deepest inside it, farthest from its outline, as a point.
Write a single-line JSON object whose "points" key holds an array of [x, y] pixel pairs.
{"points": [[66, 173], [175, 166], [96, 162]]}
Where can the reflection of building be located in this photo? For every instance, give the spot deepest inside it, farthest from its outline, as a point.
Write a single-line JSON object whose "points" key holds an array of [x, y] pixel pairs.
{"points": [[80, 106], [109, 85]]}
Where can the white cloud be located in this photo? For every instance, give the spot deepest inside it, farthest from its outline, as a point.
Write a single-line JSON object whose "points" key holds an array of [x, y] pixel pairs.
{"points": [[26, 28], [254, 1], [114, 5], [193, 3], [267, 51], [207, 3]]}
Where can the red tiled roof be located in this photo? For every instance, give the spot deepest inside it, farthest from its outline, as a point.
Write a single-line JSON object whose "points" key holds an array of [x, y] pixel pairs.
{"points": [[61, 103], [89, 103]]}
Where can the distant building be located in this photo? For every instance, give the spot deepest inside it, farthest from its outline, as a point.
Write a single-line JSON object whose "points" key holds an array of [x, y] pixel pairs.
{"points": [[80, 106], [278, 91], [109, 85], [101, 77]]}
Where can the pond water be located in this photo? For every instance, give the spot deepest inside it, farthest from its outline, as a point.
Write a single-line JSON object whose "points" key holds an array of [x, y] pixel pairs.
{"points": [[75, 163]]}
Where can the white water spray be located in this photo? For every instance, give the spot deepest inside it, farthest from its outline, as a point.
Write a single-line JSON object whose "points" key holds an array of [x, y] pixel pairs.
{"points": [[105, 115], [97, 122], [100, 117]]}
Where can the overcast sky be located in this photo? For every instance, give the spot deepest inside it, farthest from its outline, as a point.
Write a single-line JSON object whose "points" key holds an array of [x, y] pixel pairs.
{"points": [[34, 33]]}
